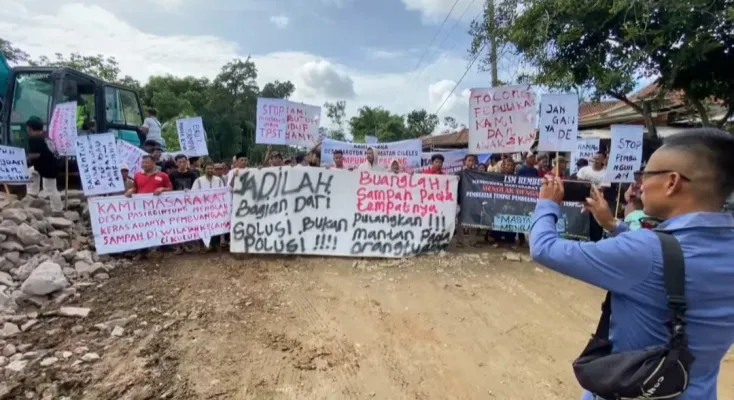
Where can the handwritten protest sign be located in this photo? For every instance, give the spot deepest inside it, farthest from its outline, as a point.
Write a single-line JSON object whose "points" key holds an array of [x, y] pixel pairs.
{"points": [[342, 213], [453, 160], [406, 152], [13, 166], [286, 122], [130, 155], [99, 166], [192, 136], [558, 129], [271, 121], [585, 150], [502, 120], [506, 203], [303, 124], [62, 128], [121, 224], [626, 154]]}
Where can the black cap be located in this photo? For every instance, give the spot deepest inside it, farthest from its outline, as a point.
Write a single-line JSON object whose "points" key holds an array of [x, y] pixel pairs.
{"points": [[34, 123]]}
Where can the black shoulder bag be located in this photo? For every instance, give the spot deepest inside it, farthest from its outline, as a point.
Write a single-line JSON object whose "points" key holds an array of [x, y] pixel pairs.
{"points": [[657, 372]]}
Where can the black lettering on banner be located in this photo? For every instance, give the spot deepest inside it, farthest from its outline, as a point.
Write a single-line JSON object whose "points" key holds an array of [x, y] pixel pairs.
{"points": [[391, 221], [274, 185], [260, 211], [324, 224], [506, 203]]}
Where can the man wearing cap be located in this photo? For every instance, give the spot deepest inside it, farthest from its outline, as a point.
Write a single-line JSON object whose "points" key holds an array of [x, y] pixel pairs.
{"points": [[42, 156], [126, 179]]}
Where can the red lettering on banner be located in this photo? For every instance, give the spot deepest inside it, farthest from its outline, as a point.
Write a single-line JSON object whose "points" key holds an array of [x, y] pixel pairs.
{"points": [[441, 197], [399, 181]]}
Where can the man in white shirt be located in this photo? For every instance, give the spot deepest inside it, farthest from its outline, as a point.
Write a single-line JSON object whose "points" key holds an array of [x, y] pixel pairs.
{"points": [[208, 180], [371, 163], [151, 129], [240, 163], [595, 172]]}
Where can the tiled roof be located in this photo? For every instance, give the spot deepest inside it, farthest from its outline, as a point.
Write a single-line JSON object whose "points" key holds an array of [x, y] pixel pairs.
{"points": [[592, 109], [447, 140]]}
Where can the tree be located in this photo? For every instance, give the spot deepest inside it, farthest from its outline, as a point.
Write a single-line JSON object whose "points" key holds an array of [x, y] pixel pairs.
{"points": [[450, 122], [278, 90], [105, 68], [605, 47], [420, 123], [379, 122], [337, 113], [12, 54]]}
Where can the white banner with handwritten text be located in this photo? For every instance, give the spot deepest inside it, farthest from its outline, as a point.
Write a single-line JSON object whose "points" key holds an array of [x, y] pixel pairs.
{"points": [[13, 165], [625, 157], [122, 223], [192, 136], [558, 129], [62, 128], [281, 121], [99, 166], [406, 152], [586, 149], [502, 120], [342, 213]]}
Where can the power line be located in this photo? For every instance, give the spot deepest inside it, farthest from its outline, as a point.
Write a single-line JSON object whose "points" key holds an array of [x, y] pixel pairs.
{"points": [[423, 56], [451, 30], [460, 79]]}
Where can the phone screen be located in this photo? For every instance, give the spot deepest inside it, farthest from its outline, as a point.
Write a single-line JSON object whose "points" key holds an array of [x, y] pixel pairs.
{"points": [[576, 191]]}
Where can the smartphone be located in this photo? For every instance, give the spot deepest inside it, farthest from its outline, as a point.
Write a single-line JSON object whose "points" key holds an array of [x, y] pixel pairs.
{"points": [[576, 191]]}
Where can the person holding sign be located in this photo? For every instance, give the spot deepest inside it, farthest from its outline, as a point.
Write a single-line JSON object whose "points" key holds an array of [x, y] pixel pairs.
{"points": [[148, 180], [42, 156], [684, 184]]}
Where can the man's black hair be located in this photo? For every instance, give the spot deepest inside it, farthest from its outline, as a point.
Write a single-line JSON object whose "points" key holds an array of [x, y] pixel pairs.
{"points": [[152, 111], [582, 162], [300, 157], [713, 150], [152, 143], [148, 156], [179, 156], [241, 154], [338, 152], [474, 156], [34, 124], [437, 157]]}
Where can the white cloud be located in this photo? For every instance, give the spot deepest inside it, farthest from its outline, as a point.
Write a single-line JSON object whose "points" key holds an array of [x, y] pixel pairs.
{"points": [[382, 54], [90, 30], [436, 10], [281, 21]]}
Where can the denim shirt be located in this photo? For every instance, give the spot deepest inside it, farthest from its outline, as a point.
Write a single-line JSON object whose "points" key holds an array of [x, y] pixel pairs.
{"points": [[630, 265]]}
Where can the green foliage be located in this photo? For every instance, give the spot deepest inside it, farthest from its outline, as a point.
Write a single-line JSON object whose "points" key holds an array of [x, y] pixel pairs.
{"points": [[602, 47], [390, 127], [337, 113]]}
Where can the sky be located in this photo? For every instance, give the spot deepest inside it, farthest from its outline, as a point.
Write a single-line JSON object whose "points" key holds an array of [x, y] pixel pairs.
{"points": [[368, 53]]}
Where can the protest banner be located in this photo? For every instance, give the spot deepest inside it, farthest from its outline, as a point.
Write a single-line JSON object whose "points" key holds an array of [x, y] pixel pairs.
{"points": [[130, 155], [502, 120], [506, 203], [99, 166], [285, 122], [303, 125], [453, 160], [271, 121], [585, 150], [558, 128], [192, 136], [406, 152], [626, 153], [342, 213], [122, 223], [62, 128], [13, 165]]}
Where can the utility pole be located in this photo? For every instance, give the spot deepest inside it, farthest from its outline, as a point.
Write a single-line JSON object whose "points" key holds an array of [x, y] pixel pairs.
{"points": [[492, 37]]}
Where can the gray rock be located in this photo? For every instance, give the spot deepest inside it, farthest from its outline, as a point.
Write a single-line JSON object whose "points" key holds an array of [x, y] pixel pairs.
{"points": [[36, 213], [58, 243], [13, 257], [28, 236], [6, 279], [24, 271], [79, 312], [84, 255], [60, 223], [59, 234], [69, 254], [3, 237], [9, 350], [9, 329], [72, 216], [118, 331], [14, 214], [11, 245], [8, 224], [34, 249], [7, 302], [49, 361], [40, 226], [17, 365], [45, 279], [90, 357], [6, 265], [101, 277]]}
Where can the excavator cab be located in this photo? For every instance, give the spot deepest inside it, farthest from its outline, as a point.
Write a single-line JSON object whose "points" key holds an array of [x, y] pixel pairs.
{"points": [[34, 91]]}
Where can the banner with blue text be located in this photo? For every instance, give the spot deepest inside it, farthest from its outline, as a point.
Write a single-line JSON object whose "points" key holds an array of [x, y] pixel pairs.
{"points": [[342, 213]]}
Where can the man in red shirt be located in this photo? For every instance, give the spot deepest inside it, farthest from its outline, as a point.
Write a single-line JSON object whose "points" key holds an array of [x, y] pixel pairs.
{"points": [[149, 181], [436, 165]]}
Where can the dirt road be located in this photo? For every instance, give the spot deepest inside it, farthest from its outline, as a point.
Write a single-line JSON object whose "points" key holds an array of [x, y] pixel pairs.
{"points": [[457, 326]]}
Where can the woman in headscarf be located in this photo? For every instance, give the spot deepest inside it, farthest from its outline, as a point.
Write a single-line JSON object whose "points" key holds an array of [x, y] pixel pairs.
{"points": [[395, 167]]}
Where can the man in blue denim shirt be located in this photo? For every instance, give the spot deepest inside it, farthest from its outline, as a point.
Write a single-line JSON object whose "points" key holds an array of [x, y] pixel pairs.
{"points": [[685, 183]]}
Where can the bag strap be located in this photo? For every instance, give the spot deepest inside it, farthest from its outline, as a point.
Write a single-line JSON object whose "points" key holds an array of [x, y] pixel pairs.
{"points": [[674, 278]]}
